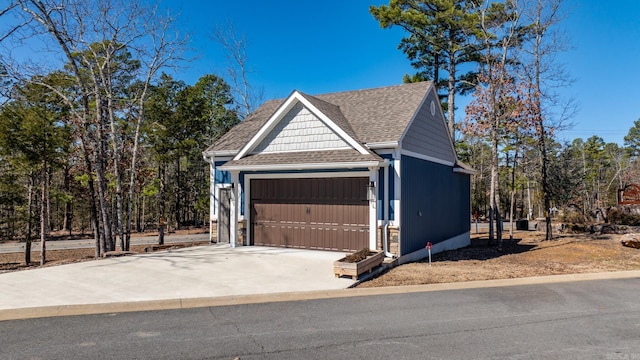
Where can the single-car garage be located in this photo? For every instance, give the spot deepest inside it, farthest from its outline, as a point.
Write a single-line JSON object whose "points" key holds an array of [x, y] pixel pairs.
{"points": [[311, 213]]}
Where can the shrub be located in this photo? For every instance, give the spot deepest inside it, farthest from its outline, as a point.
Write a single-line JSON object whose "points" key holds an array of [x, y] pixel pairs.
{"points": [[572, 217], [618, 217]]}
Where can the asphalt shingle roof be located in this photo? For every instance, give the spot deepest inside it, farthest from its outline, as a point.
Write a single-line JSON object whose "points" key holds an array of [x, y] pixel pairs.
{"points": [[369, 116]]}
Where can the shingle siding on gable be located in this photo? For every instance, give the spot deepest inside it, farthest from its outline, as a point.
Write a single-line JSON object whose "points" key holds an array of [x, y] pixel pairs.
{"points": [[300, 130], [427, 135]]}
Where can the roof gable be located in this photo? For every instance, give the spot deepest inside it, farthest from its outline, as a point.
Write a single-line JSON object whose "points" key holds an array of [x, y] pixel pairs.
{"points": [[300, 130], [271, 130], [369, 116], [427, 135]]}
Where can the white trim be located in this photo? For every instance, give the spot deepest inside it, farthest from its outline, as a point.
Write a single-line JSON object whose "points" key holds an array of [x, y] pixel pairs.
{"points": [[300, 151], [382, 145], [314, 175], [397, 193], [427, 158], [220, 153], [386, 200], [279, 115], [464, 171], [384, 151], [223, 158], [235, 213], [453, 243], [313, 166], [212, 197], [267, 127], [373, 210], [319, 175]]}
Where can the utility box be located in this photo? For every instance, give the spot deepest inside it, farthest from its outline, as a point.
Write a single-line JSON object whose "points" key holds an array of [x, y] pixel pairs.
{"points": [[522, 224]]}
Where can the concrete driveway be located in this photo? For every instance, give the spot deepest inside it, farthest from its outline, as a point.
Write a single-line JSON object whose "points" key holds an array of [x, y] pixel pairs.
{"points": [[188, 273]]}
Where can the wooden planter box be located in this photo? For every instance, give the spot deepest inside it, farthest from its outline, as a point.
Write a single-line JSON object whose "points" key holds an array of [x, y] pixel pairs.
{"points": [[354, 269]]}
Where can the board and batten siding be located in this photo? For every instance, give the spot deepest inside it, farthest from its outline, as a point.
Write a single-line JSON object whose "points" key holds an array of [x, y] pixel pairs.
{"points": [[435, 204], [300, 130], [428, 134]]}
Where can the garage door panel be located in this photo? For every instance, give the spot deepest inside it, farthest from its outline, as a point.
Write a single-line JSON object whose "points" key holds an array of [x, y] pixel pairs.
{"points": [[327, 214]]}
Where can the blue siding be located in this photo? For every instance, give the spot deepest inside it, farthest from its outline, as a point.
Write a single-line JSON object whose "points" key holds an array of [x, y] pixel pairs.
{"points": [[392, 194], [224, 177], [435, 203], [221, 177], [241, 181]]}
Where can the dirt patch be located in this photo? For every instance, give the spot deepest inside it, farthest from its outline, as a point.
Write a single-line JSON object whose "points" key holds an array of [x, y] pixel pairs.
{"points": [[357, 256], [527, 255]]}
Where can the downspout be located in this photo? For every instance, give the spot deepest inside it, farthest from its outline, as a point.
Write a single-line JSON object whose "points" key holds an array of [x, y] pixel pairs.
{"points": [[209, 160], [385, 204]]}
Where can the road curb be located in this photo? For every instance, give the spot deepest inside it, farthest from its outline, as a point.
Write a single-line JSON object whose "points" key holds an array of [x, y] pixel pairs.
{"points": [[187, 303]]}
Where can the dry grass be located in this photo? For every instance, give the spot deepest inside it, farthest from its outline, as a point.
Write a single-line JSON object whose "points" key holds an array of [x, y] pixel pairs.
{"points": [[528, 255]]}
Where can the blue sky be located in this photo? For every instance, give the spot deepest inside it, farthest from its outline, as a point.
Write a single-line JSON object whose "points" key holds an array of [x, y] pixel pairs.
{"points": [[334, 45]]}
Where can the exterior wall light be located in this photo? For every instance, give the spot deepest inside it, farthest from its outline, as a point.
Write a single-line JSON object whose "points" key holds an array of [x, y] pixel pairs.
{"points": [[371, 188]]}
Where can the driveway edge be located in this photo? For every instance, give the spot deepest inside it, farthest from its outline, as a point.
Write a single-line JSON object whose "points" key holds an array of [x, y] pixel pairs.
{"points": [[187, 303]]}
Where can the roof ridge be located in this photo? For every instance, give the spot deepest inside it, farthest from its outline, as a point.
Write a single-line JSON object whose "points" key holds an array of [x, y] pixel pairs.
{"points": [[375, 88]]}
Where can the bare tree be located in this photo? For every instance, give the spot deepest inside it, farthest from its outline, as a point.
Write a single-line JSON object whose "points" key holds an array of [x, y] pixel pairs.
{"points": [[543, 74], [246, 96], [113, 50], [498, 35]]}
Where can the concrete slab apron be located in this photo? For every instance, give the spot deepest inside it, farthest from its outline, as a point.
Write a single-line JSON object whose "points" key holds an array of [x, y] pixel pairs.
{"points": [[205, 271]]}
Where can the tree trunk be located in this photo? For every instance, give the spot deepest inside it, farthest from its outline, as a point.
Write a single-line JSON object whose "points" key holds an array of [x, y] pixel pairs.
{"points": [[513, 194], [68, 205], [27, 245], [161, 206], [134, 163], [546, 193], [100, 159], [542, 142], [44, 216], [451, 83], [100, 244], [138, 211], [118, 177], [178, 194], [494, 202]]}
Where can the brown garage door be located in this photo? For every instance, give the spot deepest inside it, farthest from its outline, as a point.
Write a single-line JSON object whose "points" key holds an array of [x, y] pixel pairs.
{"points": [[325, 214]]}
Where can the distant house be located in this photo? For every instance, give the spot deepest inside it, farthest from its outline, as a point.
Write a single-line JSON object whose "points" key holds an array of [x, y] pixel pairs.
{"points": [[370, 168]]}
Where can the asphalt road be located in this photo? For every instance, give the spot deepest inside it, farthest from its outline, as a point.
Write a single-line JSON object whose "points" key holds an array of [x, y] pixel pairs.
{"points": [[578, 320], [90, 243]]}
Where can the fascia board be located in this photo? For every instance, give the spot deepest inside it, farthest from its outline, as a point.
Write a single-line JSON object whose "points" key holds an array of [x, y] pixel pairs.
{"points": [[219, 153], [314, 166], [465, 171], [382, 145]]}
